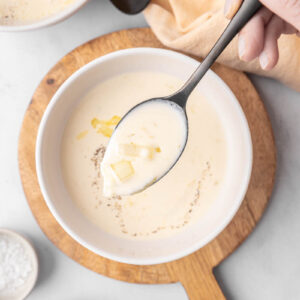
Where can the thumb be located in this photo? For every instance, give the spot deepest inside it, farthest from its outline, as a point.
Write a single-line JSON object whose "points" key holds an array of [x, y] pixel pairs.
{"points": [[288, 10]]}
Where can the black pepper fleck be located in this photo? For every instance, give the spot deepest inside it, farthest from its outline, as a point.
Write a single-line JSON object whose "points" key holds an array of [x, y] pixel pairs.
{"points": [[50, 80]]}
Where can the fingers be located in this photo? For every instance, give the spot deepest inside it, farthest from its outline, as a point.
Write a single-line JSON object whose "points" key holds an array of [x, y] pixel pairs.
{"points": [[288, 10], [259, 37], [251, 37], [231, 7], [269, 56]]}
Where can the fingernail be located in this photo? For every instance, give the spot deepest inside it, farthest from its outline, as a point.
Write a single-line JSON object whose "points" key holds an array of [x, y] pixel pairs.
{"points": [[263, 60], [242, 46]]}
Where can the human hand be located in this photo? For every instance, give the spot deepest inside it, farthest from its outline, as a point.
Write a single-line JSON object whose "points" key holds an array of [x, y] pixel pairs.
{"points": [[259, 36]]}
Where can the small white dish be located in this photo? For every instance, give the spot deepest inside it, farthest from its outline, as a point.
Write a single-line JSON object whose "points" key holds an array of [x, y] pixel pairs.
{"points": [[48, 149], [24, 290], [51, 20]]}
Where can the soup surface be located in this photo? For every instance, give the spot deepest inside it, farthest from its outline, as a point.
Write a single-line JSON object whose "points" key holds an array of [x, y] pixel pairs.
{"points": [[22, 12], [179, 199]]}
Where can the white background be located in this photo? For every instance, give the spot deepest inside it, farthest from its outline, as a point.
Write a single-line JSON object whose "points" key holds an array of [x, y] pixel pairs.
{"points": [[266, 266]]}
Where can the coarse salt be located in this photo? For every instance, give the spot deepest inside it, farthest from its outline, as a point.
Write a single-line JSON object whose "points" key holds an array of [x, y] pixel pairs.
{"points": [[15, 263]]}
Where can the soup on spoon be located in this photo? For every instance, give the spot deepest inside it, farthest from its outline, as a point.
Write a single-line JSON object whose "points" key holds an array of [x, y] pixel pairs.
{"points": [[145, 145]]}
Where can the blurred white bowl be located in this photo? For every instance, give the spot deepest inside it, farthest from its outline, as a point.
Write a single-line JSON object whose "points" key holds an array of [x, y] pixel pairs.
{"points": [[62, 15], [24, 290], [64, 209]]}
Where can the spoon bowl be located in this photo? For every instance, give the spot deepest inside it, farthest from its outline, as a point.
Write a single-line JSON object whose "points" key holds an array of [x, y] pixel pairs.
{"points": [[150, 160]]}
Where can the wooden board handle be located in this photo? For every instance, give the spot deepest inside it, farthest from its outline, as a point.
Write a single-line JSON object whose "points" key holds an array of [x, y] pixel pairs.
{"points": [[202, 286], [196, 276]]}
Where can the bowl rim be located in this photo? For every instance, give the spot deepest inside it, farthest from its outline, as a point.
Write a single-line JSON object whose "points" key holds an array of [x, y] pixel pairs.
{"points": [[197, 244], [51, 20], [32, 253]]}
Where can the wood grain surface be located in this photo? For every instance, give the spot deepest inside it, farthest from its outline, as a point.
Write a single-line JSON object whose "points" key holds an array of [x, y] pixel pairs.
{"points": [[195, 271]]}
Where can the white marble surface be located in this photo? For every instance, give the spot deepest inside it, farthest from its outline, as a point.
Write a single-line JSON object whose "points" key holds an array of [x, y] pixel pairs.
{"points": [[266, 266]]}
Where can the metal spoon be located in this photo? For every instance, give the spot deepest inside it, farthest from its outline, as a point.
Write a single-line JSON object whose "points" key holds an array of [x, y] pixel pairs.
{"points": [[179, 99], [130, 7]]}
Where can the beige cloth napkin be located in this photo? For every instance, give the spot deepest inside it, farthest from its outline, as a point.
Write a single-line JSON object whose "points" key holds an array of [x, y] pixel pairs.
{"points": [[193, 26]]}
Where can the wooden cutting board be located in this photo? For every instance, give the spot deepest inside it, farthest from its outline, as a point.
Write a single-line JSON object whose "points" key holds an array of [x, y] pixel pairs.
{"points": [[195, 271]]}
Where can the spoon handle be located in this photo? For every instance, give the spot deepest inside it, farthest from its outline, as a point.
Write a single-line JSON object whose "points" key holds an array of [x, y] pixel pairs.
{"points": [[246, 11]]}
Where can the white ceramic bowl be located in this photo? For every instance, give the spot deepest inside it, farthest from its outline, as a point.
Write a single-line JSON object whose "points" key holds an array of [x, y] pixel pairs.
{"points": [[24, 290], [67, 12], [66, 212]]}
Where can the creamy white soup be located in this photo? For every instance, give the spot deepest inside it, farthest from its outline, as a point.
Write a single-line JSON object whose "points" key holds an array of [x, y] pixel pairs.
{"points": [[22, 12], [179, 199]]}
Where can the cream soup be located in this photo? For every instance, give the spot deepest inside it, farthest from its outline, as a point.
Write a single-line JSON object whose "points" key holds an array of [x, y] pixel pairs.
{"points": [[179, 199], [22, 12]]}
